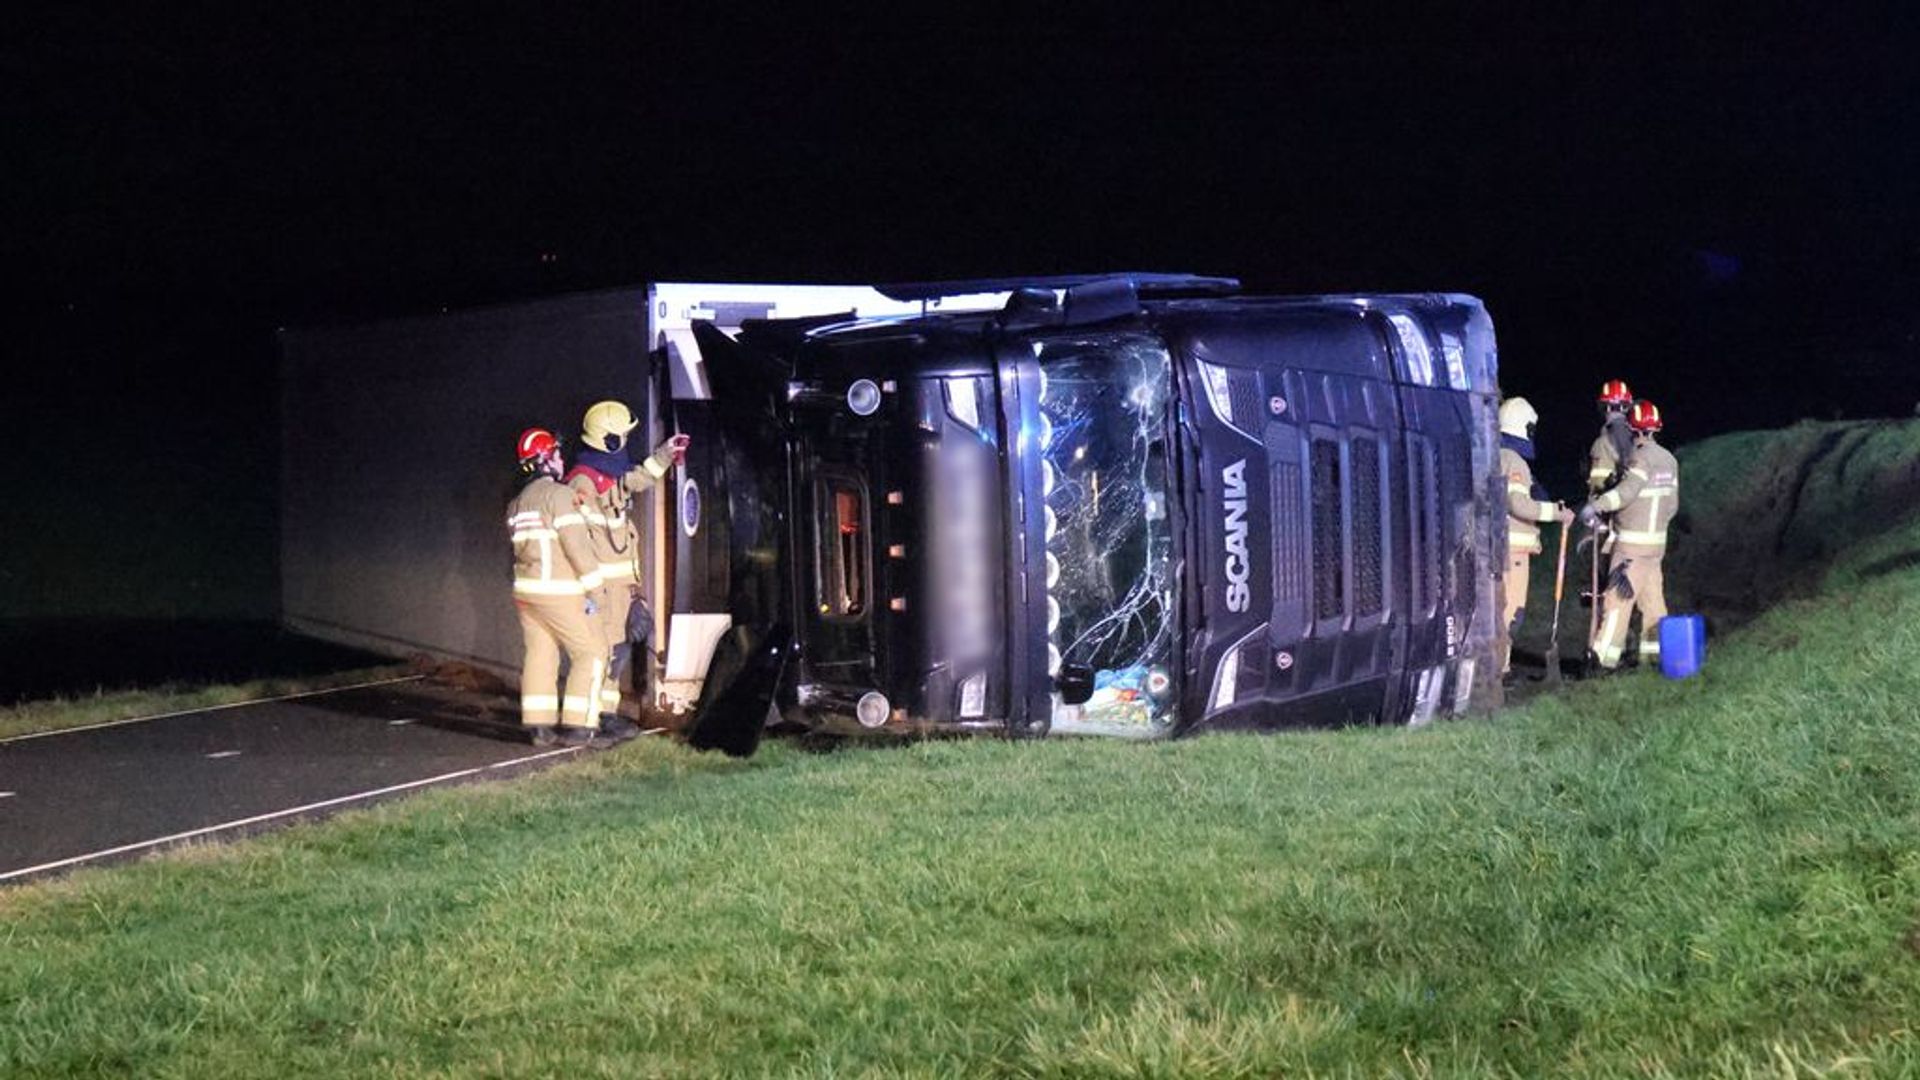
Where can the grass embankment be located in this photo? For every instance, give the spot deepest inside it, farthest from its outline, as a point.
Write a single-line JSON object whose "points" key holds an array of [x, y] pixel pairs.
{"points": [[55, 714], [1717, 877]]}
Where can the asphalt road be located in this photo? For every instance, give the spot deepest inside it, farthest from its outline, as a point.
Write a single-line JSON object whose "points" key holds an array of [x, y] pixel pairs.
{"points": [[118, 791]]}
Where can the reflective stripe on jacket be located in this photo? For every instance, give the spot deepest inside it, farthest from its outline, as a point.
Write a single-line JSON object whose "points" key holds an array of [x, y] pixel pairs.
{"points": [[1524, 512], [1645, 500], [1603, 461], [552, 554]]}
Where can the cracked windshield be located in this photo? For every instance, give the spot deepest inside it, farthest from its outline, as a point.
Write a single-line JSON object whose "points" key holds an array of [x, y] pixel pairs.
{"points": [[1103, 427]]}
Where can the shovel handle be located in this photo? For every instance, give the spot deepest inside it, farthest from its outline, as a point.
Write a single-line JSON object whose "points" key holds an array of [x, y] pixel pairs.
{"points": [[1559, 589]]}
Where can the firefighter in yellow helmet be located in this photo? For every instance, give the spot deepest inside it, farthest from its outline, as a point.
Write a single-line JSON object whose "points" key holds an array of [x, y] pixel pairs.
{"points": [[604, 480], [555, 578], [1643, 503], [1527, 509]]}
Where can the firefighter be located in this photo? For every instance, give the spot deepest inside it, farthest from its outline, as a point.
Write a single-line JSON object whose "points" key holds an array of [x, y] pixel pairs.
{"points": [[1527, 508], [604, 480], [1643, 502], [555, 579], [1615, 440]]}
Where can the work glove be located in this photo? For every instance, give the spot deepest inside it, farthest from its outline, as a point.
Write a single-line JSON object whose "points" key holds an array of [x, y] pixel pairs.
{"points": [[1589, 515], [1564, 515], [674, 449]]}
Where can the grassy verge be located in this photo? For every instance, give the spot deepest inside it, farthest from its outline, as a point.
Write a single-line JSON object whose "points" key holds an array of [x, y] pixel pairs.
{"points": [[55, 714], [1717, 877], [1635, 878]]}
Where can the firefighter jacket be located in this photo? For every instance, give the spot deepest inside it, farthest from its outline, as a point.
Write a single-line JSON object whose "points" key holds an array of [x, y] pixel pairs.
{"points": [[552, 553], [1614, 442], [1524, 512], [1644, 501], [606, 502]]}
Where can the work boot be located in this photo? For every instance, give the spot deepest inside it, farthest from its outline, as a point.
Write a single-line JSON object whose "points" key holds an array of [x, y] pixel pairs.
{"points": [[616, 729], [576, 736], [541, 735]]}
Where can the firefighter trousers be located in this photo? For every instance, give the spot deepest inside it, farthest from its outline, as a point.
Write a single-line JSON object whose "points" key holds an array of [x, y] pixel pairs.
{"points": [[1519, 563], [1643, 577], [550, 625], [612, 618]]}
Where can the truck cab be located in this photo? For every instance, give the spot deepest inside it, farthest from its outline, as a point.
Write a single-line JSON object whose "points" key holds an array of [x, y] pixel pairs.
{"points": [[1137, 505]]}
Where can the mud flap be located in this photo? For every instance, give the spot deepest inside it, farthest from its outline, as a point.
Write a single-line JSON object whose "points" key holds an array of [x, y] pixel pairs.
{"points": [[737, 698]]}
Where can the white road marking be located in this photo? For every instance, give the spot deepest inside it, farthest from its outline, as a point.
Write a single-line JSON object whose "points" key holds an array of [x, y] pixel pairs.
{"points": [[211, 708], [218, 754], [258, 818], [400, 723], [6, 794]]}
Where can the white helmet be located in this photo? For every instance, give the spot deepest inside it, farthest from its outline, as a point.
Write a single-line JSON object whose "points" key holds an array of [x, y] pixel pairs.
{"points": [[1517, 418], [606, 425]]}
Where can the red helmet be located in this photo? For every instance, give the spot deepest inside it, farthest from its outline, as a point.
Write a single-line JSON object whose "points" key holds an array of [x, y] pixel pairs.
{"points": [[1615, 392], [535, 443], [1645, 416]]}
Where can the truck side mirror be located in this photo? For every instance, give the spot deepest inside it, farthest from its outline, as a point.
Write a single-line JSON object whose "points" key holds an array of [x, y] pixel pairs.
{"points": [[1075, 683]]}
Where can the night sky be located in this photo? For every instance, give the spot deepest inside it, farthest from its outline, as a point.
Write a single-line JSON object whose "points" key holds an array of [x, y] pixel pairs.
{"points": [[1723, 215]]}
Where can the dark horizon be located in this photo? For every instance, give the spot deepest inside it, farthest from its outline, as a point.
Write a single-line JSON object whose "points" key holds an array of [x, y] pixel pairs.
{"points": [[1723, 218]]}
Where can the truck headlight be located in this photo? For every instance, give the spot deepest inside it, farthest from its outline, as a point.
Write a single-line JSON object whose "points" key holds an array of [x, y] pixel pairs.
{"points": [[1218, 393], [1226, 679], [963, 401], [863, 397], [973, 695], [873, 709]]}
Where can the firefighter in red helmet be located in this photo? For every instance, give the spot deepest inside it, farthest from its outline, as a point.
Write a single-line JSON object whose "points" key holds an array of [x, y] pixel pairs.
{"points": [[1615, 441], [555, 579], [1643, 503]]}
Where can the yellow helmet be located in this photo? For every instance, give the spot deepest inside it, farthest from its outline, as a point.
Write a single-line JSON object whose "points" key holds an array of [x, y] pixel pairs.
{"points": [[606, 425], [1517, 418]]}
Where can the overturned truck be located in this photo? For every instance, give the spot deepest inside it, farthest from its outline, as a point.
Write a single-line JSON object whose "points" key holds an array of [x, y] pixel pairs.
{"points": [[1133, 505], [1130, 504]]}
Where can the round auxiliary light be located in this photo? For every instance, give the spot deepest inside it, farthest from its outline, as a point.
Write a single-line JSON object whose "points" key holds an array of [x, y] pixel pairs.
{"points": [[1053, 615], [863, 397], [1048, 478], [1046, 431], [1053, 660], [873, 709], [1053, 570], [1053, 523]]}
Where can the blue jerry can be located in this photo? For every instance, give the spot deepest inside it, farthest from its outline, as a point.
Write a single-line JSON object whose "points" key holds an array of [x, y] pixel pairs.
{"points": [[1683, 645]]}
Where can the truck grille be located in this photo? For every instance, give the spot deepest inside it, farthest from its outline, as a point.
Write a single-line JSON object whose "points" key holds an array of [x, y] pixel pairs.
{"points": [[1368, 576], [1329, 556], [1426, 527], [1289, 537], [1243, 396]]}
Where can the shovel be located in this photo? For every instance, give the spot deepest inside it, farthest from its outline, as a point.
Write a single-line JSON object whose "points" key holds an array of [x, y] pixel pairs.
{"points": [[1559, 590]]}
